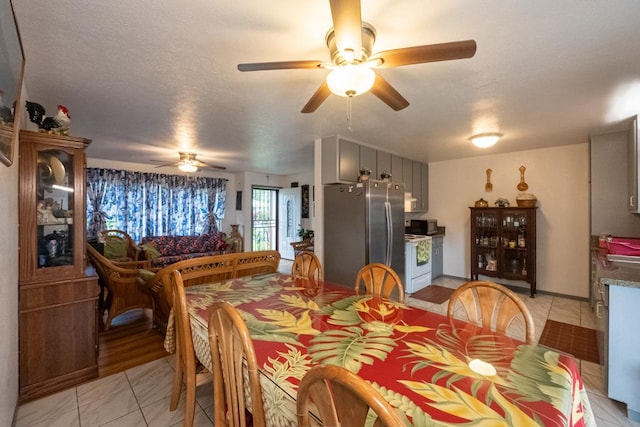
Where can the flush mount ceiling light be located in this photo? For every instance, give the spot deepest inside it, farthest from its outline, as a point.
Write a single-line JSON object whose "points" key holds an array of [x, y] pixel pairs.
{"points": [[351, 80], [485, 140]]}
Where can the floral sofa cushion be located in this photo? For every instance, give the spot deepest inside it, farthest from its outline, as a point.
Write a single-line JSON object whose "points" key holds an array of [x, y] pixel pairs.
{"points": [[164, 250]]}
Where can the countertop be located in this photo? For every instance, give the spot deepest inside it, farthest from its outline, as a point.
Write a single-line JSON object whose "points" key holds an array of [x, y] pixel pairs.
{"points": [[620, 274]]}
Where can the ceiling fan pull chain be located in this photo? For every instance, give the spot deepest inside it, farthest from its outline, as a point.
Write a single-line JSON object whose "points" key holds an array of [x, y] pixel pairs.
{"points": [[349, 114]]}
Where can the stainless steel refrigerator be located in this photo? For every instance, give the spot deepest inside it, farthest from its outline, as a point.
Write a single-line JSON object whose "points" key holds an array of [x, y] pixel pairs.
{"points": [[363, 224]]}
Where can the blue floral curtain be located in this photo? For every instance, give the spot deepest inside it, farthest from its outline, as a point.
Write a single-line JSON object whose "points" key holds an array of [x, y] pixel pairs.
{"points": [[152, 204]]}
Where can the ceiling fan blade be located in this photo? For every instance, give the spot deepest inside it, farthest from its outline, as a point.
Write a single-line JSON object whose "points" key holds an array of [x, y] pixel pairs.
{"points": [[347, 25], [426, 53], [317, 98], [388, 94], [163, 163], [204, 165], [280, 65]]}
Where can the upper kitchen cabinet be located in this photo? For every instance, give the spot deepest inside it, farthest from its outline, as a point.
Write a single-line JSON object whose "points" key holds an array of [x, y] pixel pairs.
{"points": [[340, 160], [369, 160], [396, 168], [420, 186], [407, 175], [384, 163], [633, 160]]}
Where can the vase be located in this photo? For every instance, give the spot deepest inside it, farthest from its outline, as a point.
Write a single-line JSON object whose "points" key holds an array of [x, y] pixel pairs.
{"points": [[235, 239]]}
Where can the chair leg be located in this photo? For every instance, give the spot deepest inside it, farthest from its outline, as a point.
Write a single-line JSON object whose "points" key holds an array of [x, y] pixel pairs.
{"points": [[190, 403], [177, 383]]}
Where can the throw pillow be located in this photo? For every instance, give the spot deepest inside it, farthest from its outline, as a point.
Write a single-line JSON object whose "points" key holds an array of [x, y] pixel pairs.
{"points": [[150, 251], [115, 248]]}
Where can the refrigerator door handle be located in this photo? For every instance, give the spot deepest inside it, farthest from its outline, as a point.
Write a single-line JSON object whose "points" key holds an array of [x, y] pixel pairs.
{"points": [[387, 209]]}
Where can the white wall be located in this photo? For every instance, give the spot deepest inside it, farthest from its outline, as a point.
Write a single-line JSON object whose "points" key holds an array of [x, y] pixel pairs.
{"points": [[9, 290], [557, 176]]}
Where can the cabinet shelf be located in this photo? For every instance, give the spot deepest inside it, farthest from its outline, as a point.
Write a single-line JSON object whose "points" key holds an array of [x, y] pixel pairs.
{"points": [[510, 248]]}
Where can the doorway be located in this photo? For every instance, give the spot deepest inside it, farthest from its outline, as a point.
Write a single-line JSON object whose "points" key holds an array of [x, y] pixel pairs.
{"points": [[264, 218], [289, 201]]}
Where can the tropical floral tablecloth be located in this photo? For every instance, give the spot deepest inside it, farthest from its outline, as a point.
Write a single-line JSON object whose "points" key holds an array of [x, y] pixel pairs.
{"points": [[418, 360]]}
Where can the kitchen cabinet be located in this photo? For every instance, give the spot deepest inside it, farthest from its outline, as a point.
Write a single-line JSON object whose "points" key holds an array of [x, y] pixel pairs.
{"points": [[437, 258], [623, 350], [383, 162], [420, 186], [57, 300], [340, 160], [407, 175], [503, 244], [369, 160], [396, 168], [633, 172]]}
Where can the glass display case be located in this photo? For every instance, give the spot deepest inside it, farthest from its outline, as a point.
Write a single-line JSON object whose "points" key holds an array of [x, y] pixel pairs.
{"points": [[57, 296], [503, 244]]}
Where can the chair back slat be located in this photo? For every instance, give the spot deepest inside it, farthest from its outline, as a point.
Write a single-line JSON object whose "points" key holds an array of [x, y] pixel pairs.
{"points": [[342, 398], [379, 280], [492, 306], [231, 353]]}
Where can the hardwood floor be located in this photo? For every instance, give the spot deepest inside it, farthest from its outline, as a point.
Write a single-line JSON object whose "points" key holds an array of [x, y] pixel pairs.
{"points": [[131, 341]]}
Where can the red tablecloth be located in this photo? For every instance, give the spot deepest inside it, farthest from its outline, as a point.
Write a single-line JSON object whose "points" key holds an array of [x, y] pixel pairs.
{"points": [[418, 360]]}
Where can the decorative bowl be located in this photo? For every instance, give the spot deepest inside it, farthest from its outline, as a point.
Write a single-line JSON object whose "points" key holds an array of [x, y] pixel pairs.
{"points": [[526, 200]]}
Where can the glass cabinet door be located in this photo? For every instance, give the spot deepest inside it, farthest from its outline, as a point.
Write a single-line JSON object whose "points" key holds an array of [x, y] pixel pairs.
{"points": [[54, 208], [486, 239], [514, 243]]}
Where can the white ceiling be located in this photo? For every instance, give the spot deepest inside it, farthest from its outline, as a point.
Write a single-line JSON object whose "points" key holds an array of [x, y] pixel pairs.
{"points": [[145, 79]]}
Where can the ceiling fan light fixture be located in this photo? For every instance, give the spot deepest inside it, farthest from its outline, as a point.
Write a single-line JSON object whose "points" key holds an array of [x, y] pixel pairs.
{"points": [[485, 140], [351, 80], [187, 167]]}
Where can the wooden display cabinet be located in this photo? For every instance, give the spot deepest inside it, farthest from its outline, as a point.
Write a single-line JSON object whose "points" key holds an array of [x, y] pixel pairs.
{"points": [[503, 244], [57, 299]]}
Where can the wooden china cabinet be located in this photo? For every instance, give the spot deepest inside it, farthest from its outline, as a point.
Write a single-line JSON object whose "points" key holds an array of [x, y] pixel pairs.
{"points": [[57, 299], [503, 244]]}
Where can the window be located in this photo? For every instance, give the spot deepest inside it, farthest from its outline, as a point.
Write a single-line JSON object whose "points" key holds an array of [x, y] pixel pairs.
{"points": [[151, 204]]}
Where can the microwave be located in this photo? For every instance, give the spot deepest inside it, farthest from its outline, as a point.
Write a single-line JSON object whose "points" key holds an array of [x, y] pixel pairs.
{"points": [[423, 226]]}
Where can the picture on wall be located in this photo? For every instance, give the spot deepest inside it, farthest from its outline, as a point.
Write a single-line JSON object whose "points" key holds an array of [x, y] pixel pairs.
{"points": [[305, 201]]}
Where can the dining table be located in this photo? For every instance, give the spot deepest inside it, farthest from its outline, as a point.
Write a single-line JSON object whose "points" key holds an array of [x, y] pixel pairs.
{"points": [[434, 370]]}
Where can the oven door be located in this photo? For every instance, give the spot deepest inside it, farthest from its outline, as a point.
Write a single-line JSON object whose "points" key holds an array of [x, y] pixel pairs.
{"points": [[418, 257]]}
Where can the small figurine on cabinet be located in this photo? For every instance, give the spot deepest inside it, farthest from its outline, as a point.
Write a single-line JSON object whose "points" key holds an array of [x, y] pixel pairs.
{"points": [[6, 113], [58, 124]]}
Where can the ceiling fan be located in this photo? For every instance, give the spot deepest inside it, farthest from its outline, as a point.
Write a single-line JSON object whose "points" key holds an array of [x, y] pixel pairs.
{"points": [[350, 44], [188, 163]]}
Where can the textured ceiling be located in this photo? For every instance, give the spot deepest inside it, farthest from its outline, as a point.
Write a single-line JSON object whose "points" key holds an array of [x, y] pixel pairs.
{"points": [[149, 78]]}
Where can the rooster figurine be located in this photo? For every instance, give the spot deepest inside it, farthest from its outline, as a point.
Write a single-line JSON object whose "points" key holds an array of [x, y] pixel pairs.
{"points": [[6, 114], [58, 124]]}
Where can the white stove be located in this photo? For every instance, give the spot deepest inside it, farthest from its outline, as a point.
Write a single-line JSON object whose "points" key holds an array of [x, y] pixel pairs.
{"points": [[417, 262]]}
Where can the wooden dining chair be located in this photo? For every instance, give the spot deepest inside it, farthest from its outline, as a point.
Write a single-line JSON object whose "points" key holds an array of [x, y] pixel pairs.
{"points": [[231, 353], [188, 371], [342, 398], [379, 280], [492, 306], [306, 264]]}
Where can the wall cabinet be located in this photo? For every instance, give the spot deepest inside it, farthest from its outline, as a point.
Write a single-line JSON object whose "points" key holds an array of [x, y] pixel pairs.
{"points": [[57, 299], [633, 173], [384, 162], [437, 258], [342, 160], [396, 168], [369, 160], [503, 244]]}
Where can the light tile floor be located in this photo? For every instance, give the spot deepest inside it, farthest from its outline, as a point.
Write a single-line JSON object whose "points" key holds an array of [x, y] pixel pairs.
{"points": [[140, 396]]}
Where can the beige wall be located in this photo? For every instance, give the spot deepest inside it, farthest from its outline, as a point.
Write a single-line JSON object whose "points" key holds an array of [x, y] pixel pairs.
{"points": [[9, 291], [558, 176]]}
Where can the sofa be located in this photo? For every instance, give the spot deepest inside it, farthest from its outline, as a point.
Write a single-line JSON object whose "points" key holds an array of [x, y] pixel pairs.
{"points": [[165, 250], [207, 269]]}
